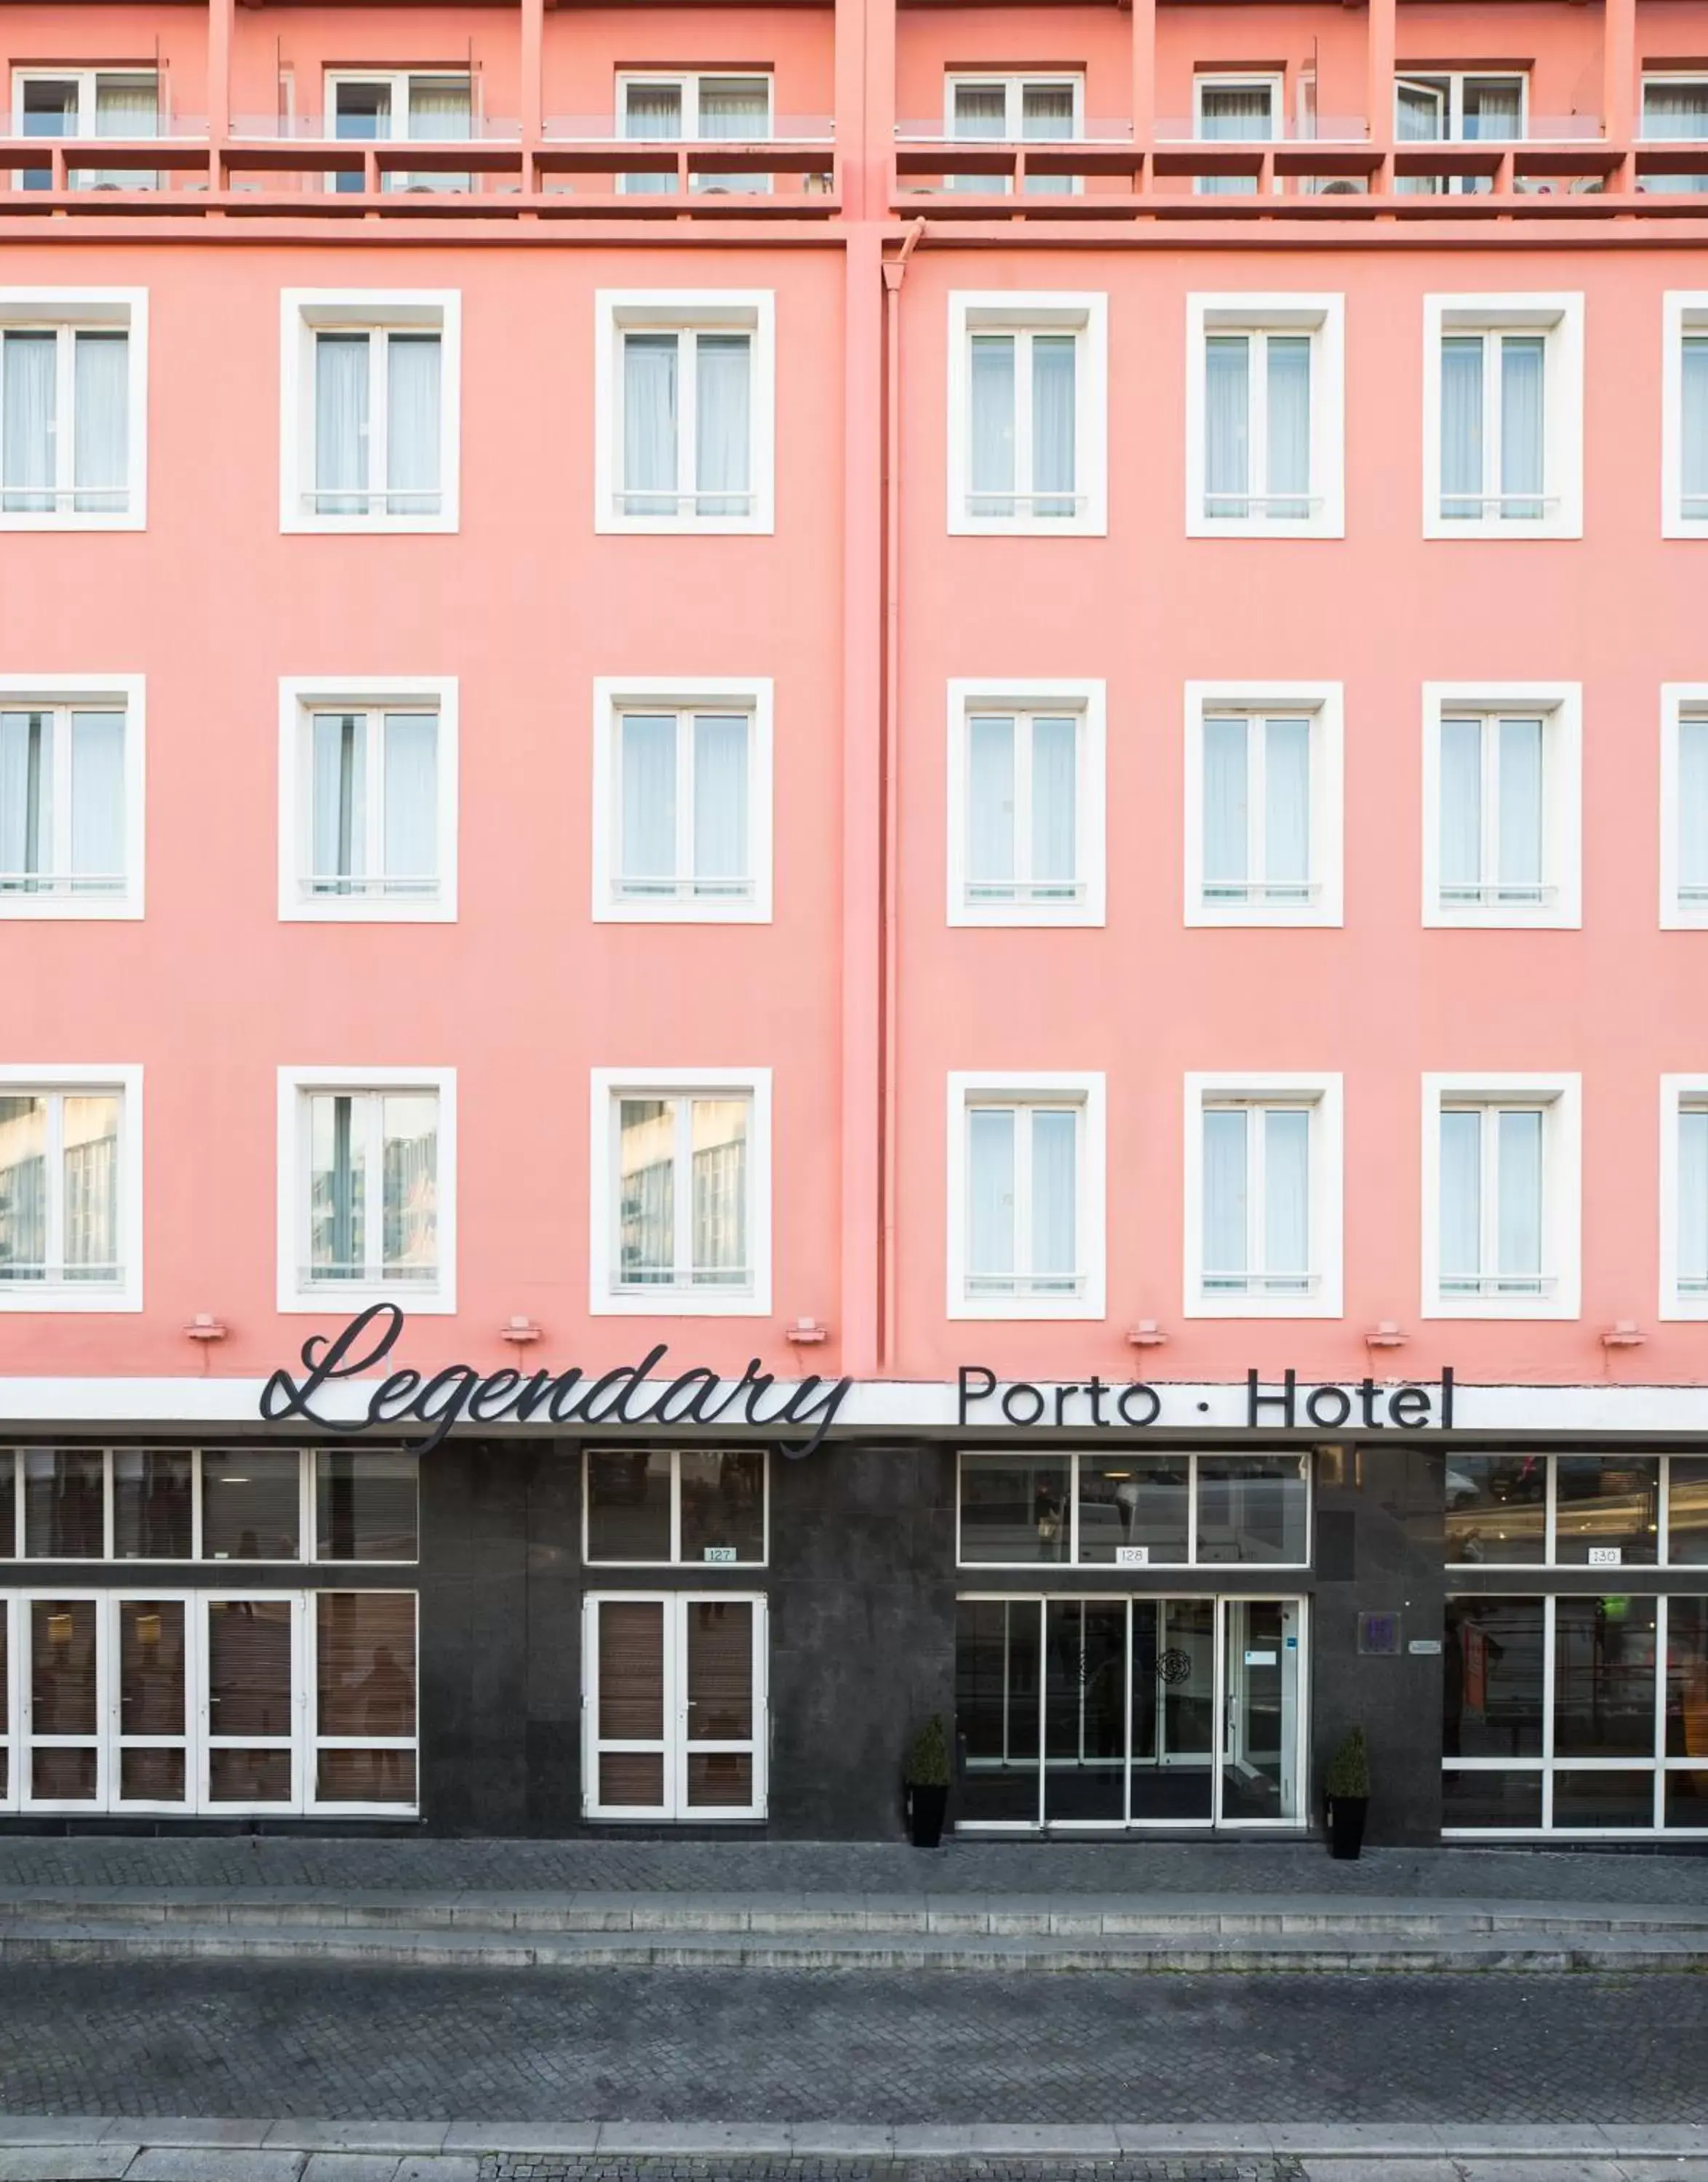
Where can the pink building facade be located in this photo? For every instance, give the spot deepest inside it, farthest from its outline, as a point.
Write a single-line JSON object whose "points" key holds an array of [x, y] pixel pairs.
{"points": [[924, 792]]}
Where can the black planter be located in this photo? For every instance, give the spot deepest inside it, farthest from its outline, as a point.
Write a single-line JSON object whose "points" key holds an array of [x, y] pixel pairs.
{"points": [[926, 1807], [1346, 1816]]}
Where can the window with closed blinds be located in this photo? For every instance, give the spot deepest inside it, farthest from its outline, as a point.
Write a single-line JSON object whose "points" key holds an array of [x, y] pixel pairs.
{"points": [[365, 1696], [674, 1707], [64, 1702], [153, 1693]]}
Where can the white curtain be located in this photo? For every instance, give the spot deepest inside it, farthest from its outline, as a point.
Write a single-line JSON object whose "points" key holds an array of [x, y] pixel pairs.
{"points": [[992, 469], [1289, 425], [1227, 423], [649, 803], [1693, 1195], [1227, 810], [1420, 113], [1054, 798], [1053, 361], [1287, 803], [979, 114], [411, 807], [440, 112], [649, 422], [649, 111], [28, 391], [412, 423], [26, 797], [1678, 110], [1521, 803], [1287, 1190], [1520, 424], [97, 801], [126, 106], [990, 791], [1694, 424], [339, 820], [1519, 1211], [1046, 116], [1461, 805], [1233, 114], [738, 108], [341, 423], [722, 426], [1692, 804], [101, 406], [1461, 1194], [991, 1192], [1461, 426], [720, 798], [1492, 111], [410, 1122], [1225, 1230], [1054, 1135]]}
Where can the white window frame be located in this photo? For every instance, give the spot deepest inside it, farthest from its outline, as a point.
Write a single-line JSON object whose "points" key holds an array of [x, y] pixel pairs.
{"points": [[306, 311], [1321, 1095], [296, 1294], [300, 697], [1324, 702], [1560, 706], [1679, 701], [1558, 317], [1677, 1092], [1684, 310], [1014, 84], [1190, 1460], [674, 1606], [71, 1078], [674, 1557], [967, 1088], [68, 312], [1085, 315], [606, 1299], [620, 311], [614, 694], [1274, 81], [688, 82], [125, 693], [1085, 701], [88, 81], [1452, 82], [1322, 318], [1560, 1098]]}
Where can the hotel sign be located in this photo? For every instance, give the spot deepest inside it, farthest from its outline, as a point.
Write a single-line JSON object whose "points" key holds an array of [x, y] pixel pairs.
{"points": [[1362, 1404]]}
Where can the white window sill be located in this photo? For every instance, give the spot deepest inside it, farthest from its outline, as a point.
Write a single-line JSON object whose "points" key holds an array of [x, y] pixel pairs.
{"points": [[1512, 916], [1508, 530], [1250, 526], [369, 909], [1679, 1308], [53, 1297], [415, 1299], [679, 1303], [12, 520], [1683, 526], [964, 525], [1029, 915], [1089, 1306], [70, 908], [761, 525], [1555, 1305], [1280, 916], [1197, 1303], [391, 526], [1684, 916], [664, 909]]}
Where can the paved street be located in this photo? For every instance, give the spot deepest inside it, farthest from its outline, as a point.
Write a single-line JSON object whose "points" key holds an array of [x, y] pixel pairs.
{"points": [[659, 2044]]}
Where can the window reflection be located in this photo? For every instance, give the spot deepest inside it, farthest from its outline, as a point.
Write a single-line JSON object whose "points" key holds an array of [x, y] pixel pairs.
{"points": [[1687, 1510], [1497, 1507], [1015, 1507], [1604, 1678], [1492, 1678], [1600, 1503]]}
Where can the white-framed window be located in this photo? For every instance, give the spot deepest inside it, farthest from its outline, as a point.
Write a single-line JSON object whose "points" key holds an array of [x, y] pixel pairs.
{"points": [[87, 101], [652, 1507], [368, 432], [1502, 416], [1265, 417], [73, 408], [1263, 1190], [70, 1188], [682, 805], [1454, 105], [1684, 411], [1501, 1196], [71, 794], [1027, 402], [1026, 802], [1132, 1508], [367, 1188], [1264, 803], [1675, 109], [433, 106], [1026, 1211], [1234, 109], [700, 108], [368, 775], [685, 409], [680, 1219], [1044, 109], [1684, 1196], [674, 1709], [1502, 791], [1683, 806]]}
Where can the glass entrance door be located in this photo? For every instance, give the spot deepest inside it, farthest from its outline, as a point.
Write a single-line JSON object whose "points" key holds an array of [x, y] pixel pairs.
{"points": [[1259, 1775], [673, 1702]]}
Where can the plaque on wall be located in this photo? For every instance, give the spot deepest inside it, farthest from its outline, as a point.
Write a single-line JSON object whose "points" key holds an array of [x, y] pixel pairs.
{"points": [[1378, 1635]]}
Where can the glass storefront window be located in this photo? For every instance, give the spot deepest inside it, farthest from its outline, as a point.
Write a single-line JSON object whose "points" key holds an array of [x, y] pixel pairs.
{"points": [[1497, 1509], [365, 1696], [65, 1503], [724, 1506], [365, 1506], [996, 1709], [1603, 1798], [1687, 1679], [1251, 1508], [1600, 1503], [250, 1504], [153, 1504], [1141, 1501], [1687, 1511], [1604, 1677], [1492, 1799], [1015, 1507], [1492, 1678], [656, 1507], [1520, 1509], [1133, 1509]]}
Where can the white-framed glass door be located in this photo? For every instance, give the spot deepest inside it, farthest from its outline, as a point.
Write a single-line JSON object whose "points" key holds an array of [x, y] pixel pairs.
{"points": [[254, 1693], [1258, 1777], [673, 1705], [62, 1754], [151, 1679]]}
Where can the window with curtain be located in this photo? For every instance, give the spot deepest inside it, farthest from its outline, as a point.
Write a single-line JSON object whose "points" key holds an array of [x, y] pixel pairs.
{"points": [[1256, 1208], [1023, 418], [1015, 109], [429, 108], [1690, 813], [699, 109], [685, 434], [1455, 108], [371, 819], [1675, 108], [1491, 1208], [1257, 845], [1022, 1198], [62, 802], [372, 1187], [1693, 423], [65, 421], [1494, 428], [1023, 803], [1690, 1224], [1493, 849], [1257, 427], [683, 1183], [684, 804], [89, 103], [60, 1183], [377, 422], [1234, 111]]}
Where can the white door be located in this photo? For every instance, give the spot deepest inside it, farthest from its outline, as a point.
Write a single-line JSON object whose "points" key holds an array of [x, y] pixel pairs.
{"points": [[1263, 1650], [253, 1701], [673, 1705]]}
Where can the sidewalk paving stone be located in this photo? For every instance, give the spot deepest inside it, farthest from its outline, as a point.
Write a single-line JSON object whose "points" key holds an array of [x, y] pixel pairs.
{"points": [[351, 2167]]}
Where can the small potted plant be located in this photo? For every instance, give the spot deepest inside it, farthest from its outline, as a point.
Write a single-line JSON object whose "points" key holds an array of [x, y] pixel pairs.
{"points": [[927, 1784], [1348, 1793]]}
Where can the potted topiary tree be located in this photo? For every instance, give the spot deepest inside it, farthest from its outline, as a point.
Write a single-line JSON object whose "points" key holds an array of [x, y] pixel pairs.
{"points": [[1348, 1792], [927, 1784]]}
